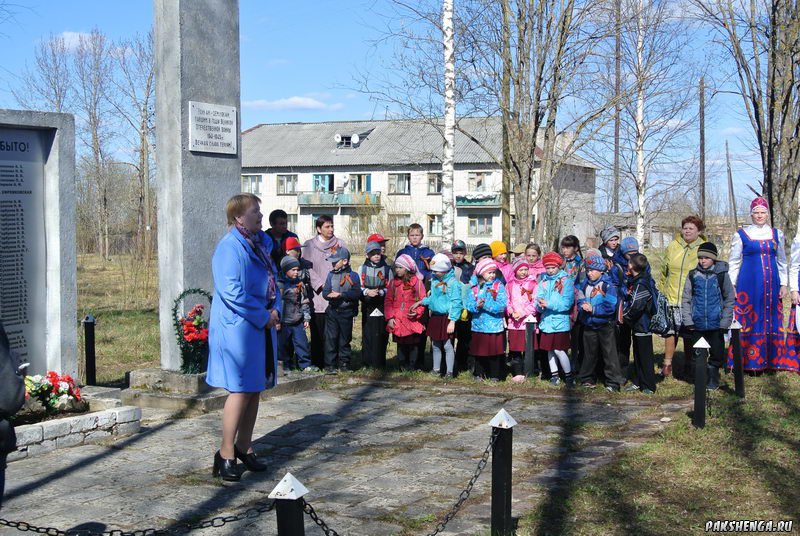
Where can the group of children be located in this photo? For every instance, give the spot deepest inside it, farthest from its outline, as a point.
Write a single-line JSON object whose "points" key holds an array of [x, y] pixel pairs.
{"points": [[585, 311]]}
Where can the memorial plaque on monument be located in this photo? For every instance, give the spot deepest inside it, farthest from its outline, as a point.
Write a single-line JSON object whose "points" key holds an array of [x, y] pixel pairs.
{"points": [[212, 128], [23, 305]]}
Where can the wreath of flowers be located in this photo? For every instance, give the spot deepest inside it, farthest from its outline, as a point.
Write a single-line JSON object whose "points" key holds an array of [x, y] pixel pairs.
{"points": [[191, 330], [52, 390]]}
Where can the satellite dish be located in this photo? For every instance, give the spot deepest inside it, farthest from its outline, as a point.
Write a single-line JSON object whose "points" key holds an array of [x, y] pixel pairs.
{"points": [[337, 138], [355, 139]]}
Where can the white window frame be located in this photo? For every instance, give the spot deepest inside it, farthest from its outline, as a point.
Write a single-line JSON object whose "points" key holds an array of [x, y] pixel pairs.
{"points": [[284, 180], [353, 183], [393, 183], [479, 225], [395, 222], [476, 177], [435, 224], [435, 184], [249, 181]]}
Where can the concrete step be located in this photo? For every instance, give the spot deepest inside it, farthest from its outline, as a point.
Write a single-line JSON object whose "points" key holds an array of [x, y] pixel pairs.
{"points": [[194, 403]]}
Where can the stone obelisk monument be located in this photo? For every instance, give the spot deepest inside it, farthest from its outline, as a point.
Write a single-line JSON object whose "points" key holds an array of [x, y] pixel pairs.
{"points": [[197, 144]]}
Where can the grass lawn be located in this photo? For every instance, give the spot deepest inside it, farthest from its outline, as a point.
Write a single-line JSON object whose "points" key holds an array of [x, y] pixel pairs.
{"points": [[742, 465]]}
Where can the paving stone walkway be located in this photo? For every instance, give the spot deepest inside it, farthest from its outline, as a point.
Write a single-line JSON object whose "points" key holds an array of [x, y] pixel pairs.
{"points": [[377, 458]]}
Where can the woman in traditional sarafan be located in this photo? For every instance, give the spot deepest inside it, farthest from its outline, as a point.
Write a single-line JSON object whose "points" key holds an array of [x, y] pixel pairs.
{"points": [[791, 361], [758, 270]]}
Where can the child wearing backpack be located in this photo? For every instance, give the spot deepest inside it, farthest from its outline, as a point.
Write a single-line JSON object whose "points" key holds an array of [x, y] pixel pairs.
{"points": [[376, 275], [707, 310], [403, 320], [521, 290], [555, 296], [444, 304], [597, 306], [637, 309], [486, 300]]}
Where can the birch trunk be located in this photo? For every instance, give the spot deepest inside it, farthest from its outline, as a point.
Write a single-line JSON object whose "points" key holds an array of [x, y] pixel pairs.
{"points": [[448, 209], [641, 172]]}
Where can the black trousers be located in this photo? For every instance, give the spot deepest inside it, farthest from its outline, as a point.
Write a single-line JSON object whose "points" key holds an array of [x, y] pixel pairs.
{"points": [[491, 366], [317, 326], [338, 335], [576, 343], [517, 363], [624, 346], [643, 360], [716, 358], [463, 336], [374, 338], [2, 476], [407, 355], [599, 345]]}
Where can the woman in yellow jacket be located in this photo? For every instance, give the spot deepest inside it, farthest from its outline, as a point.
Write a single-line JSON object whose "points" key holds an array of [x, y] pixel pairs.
{"points": [[681, 256]]}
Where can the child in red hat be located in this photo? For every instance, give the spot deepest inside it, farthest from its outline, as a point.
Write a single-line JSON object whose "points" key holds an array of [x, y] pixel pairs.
{"points": [[555, 296]]}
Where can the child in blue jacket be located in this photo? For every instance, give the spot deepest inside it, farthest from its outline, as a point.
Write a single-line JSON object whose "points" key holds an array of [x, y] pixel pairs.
{"points": [[707, 309], [555, 296], [597, 305], [444, 304], [486, 300]]}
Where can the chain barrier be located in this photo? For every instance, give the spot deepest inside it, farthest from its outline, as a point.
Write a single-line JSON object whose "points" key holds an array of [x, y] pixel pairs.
{"points": [[251, 513], [308, 509], [182, 528], [464, 495]]}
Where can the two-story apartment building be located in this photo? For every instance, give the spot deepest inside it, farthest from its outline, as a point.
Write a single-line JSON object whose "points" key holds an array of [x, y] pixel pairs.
{"points": [[381, 176]]}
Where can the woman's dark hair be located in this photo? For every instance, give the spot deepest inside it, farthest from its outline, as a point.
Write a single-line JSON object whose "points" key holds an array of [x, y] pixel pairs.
{"points": [[322, 220], [571, 241], [277, 214], [696, 221]]}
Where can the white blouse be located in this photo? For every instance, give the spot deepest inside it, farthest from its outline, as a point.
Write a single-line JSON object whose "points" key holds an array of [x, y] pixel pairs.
{"points": [[794, 267], [759, 232]]}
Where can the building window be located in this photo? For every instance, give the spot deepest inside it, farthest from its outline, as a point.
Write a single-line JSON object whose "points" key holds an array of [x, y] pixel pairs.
{"points": [[478, 181], [287, 184], [347, 142], [359, 225], [434, 183], [435, 224], [399, 222], [323, 183], [251, 184], [291, 222], [360, 183], [480, 226], [400, 183]]}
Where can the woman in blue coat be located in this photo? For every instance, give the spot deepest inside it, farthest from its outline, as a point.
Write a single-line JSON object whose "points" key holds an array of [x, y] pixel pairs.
{"points": [[244, 311]]}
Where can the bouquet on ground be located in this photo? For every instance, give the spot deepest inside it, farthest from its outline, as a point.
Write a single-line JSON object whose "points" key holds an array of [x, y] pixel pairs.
{"points": [[191, 330], [55, 392]]}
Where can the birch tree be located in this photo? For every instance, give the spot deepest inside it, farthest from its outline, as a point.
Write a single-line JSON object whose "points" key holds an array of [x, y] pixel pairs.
{"points": [[93, 68], [657, 116], [48, 85], [135, 84], [515, 60], [448, 161]]}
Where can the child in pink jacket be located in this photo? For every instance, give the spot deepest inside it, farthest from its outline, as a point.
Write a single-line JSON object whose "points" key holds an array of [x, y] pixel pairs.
{"points": [[521, 289], [403, 321]]}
